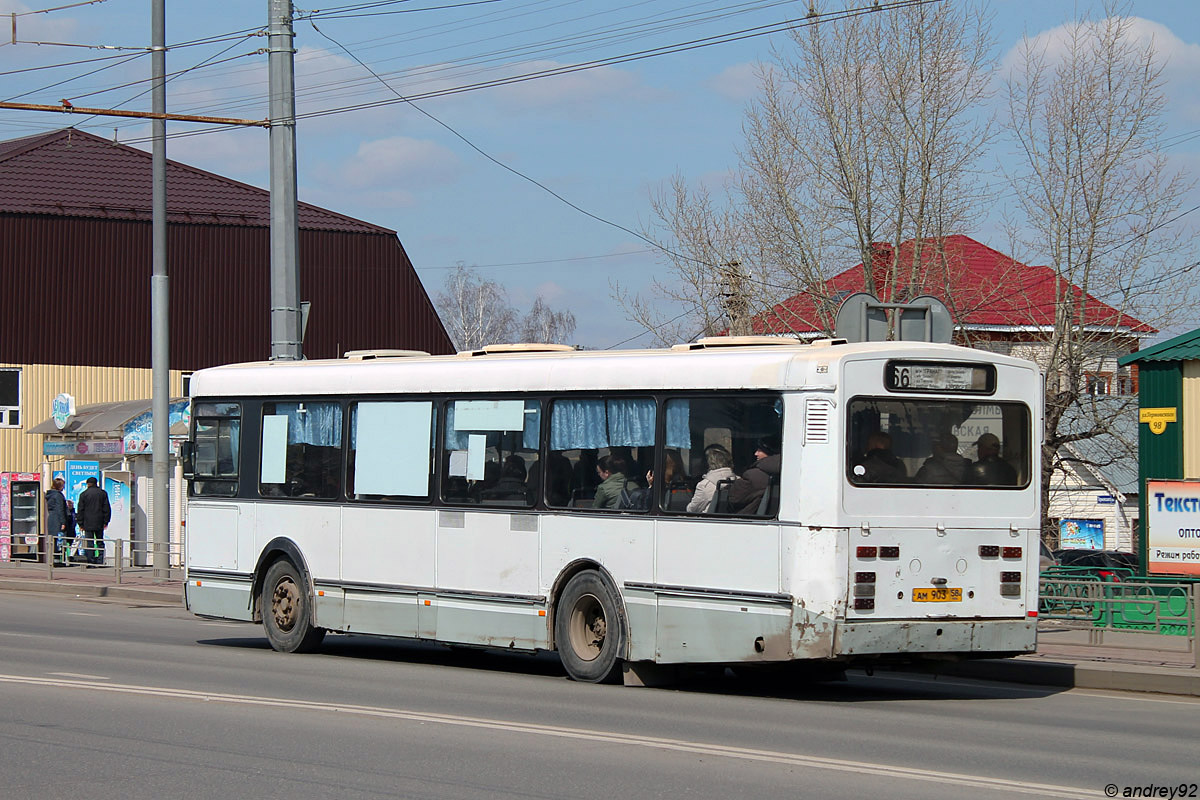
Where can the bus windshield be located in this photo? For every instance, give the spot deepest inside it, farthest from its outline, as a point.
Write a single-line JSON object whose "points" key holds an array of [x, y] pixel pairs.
{"points": [[938, 443]]}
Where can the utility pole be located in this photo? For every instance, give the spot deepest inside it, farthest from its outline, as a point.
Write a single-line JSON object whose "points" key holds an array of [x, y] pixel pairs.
{"points": [[285, 233], [160, 302]]}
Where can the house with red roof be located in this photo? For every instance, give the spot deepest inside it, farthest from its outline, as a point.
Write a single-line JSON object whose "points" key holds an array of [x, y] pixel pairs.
{"points": [[996, 302], [75, 268], [999, 304]]}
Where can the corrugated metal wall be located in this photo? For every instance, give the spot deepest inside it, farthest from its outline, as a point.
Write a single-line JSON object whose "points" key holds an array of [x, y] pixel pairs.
{"points": [[1191, 410], [40, 383], [75, 290]]}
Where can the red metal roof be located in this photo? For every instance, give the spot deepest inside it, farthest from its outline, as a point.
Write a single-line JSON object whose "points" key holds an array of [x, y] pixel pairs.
{"points": [[76, 174], [982, 287]]}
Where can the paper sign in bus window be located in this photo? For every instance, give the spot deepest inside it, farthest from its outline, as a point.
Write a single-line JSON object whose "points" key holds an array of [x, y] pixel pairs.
{"points": [[458, 464], [383, 430], [489, 415], [476, 455], [274, 448]]}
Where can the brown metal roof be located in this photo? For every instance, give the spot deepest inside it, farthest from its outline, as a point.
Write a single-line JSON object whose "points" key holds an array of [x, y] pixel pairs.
{"points": [[72, 173], [104, 418]]}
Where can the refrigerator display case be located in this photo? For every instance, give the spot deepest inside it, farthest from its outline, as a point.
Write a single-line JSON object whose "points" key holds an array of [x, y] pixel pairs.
{"points": [[20, 515]]}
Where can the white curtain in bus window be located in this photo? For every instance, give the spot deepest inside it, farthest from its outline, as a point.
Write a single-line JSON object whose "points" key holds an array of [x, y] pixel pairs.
{"points": [[393, 448], [274, 449]]}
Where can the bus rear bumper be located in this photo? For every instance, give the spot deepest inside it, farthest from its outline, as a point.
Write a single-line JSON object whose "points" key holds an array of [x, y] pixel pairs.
{"points": [[965, 637]]}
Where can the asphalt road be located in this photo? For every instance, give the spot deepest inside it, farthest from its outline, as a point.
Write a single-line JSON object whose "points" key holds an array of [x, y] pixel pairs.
{"points": [[112, 700]]}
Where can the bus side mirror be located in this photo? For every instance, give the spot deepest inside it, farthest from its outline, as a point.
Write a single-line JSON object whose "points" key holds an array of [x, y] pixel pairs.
{"points": [[187, 452]]}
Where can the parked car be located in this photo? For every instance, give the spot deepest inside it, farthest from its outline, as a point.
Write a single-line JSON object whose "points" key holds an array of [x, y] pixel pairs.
{"points": [[1047, 558], [1108, 565]]}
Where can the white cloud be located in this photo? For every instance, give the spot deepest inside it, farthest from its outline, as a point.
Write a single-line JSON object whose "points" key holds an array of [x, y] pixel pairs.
{"points": [[739, 82], [1178, 56], [384, 171], [1180, 59], [568, 91]]}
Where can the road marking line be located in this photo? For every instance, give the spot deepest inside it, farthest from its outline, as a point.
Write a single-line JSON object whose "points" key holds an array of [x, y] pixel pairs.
{"points": [[623, 739], [80, 614], [80, 675]]}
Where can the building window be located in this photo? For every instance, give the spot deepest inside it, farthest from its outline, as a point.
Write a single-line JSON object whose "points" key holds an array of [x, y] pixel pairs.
{"points": [[1126, 384], [187, 384], [10, 398], [1098, 384]]}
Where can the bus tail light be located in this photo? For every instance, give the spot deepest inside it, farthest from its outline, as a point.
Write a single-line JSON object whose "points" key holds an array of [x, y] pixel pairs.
{"points": [[989, 551], [864, 591], [1010, 577], [889, 552], [1010, 584], [1010, 552], [865, 552]]}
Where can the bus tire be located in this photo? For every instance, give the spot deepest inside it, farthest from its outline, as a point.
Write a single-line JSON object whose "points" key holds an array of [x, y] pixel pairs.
{"points": [[589, 629], [288, 610]]}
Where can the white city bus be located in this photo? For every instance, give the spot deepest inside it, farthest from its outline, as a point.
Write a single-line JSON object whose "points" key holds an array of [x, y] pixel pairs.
{"points": [[866, 502]]}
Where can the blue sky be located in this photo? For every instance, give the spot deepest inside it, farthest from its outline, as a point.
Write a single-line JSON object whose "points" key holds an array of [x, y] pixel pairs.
{"points": [[604, 138]]}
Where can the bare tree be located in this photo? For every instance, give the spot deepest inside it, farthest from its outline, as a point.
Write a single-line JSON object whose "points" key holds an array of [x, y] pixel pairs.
{"points": [[544, 324], [1096, 206], [476, 312], [867, 131]]}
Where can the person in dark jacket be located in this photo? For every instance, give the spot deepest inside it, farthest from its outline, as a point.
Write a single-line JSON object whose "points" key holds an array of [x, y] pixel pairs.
{"points": [[93, 513], [990, 469], [745, 493], [880, 464], [56, 516]]}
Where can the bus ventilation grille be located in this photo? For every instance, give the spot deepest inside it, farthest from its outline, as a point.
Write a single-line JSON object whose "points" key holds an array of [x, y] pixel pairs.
{"points": [[816, 420]]}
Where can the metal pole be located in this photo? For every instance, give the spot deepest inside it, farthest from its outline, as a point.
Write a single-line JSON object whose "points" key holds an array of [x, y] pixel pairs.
{"points": [[285, 235], [160, 299]]}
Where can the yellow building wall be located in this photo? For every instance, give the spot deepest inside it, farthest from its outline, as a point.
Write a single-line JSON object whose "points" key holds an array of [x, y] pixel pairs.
{"points": [[41, 383], [1191, 419]]}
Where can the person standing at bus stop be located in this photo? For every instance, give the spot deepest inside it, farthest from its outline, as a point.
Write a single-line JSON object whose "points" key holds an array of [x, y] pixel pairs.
{"points": [[56, 517], [94, 514]]}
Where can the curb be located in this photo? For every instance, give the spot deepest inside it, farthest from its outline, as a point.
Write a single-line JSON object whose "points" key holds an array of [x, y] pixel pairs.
{"points": [[165, 596], [1090, 675]]}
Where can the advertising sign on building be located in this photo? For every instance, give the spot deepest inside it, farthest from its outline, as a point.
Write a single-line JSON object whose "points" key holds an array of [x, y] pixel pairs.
{"points": [[89, 447], [1081, 534], [1173, 527], [77, 474]]}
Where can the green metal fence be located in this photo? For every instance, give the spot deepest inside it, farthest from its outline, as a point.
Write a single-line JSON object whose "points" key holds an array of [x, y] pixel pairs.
{"points": [[1150, 605]]}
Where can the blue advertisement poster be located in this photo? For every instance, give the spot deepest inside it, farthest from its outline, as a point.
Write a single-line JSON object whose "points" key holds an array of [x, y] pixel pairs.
{"points": [[1081, 534], [77, 473]]}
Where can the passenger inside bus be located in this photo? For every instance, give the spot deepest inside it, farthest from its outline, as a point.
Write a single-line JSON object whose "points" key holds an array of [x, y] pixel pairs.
{"points": [[511, 486], [990, 469], [945, 466], [879, 464], [612, 470], [746, 493], [720, 468]]}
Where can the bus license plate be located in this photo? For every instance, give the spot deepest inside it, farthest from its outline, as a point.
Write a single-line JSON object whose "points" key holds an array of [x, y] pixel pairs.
{"points": [[939, 595]]}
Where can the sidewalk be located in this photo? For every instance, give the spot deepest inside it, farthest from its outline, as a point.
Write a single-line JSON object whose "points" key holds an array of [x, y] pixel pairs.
{"points": [[1133, 662], [137, 583]]}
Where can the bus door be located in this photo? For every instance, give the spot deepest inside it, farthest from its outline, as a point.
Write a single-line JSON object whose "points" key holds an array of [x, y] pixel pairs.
{"points": [[487, 535]]}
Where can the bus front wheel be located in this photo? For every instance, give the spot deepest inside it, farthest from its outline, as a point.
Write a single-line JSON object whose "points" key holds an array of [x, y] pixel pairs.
{"points": [[589, 630], [287, 611]]}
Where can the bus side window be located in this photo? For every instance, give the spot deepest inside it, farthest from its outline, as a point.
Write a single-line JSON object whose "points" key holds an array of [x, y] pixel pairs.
{"points": [[391, 450], [217, 444], [301, 450], [491, 452], [731, 450], [606, 447]]}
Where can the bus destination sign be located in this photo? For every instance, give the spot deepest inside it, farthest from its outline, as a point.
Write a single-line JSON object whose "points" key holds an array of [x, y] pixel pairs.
{"points": [[927, 376]]}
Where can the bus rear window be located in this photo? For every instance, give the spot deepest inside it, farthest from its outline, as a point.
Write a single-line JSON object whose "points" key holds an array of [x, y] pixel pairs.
{"points": [[938, 443]]}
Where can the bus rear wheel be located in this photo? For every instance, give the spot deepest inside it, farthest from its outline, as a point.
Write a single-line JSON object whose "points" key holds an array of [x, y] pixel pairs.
{"points": [[287, 611], [589, 629]]}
